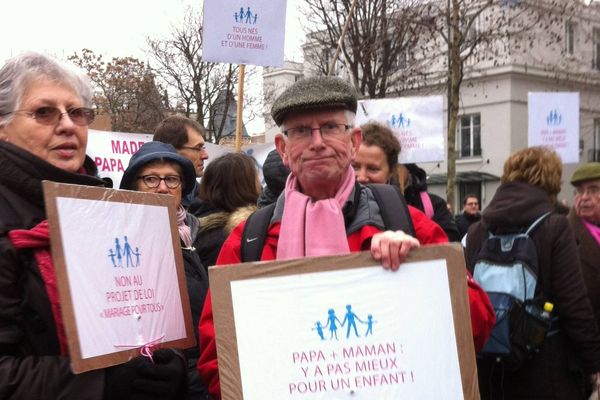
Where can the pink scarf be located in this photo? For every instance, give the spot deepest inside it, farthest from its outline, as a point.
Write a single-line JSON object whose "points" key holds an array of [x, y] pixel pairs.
{"points": [[313, 228], [185, 233], [594, 230]]}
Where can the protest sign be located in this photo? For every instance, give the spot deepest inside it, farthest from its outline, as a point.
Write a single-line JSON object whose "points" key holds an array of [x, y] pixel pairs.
{"points": [[253, 33], [111, 151], [120, 279], [417, 122], [342, 327], [554, 122]]}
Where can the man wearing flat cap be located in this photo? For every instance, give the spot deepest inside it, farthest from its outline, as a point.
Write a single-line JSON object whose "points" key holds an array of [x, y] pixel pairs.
{"points": [[323, 210], [585, 220]]}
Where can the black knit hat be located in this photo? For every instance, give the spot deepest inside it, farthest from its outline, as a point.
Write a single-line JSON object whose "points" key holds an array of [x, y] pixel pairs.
{"points": [[152, 151], [314, 93]]}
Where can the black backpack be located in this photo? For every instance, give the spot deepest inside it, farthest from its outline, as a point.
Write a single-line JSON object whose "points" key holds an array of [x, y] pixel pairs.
{"points": [[392, 206], [507, 267]]}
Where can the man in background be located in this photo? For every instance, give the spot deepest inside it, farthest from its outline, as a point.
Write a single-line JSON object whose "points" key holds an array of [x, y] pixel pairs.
{"points": [[585, 220], [470, 214], [186, 135]]}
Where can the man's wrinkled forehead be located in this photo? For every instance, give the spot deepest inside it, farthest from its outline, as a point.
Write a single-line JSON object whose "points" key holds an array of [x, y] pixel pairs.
{"points": [[334, 113]]}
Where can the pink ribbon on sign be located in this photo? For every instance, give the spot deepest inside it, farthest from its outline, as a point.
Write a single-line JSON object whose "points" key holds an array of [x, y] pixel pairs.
{"points": [[146, 349]]}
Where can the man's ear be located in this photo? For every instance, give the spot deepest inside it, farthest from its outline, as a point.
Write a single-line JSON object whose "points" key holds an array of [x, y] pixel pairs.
{"points": [[356, 140], [280, 145]]}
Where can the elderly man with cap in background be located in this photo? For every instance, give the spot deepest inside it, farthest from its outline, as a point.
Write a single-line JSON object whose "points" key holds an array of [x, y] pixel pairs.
{"points": [[323, 210], [585, 220]]}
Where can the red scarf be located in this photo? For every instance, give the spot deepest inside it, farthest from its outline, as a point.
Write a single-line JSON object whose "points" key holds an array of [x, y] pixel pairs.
{"points": [[38, 239]]}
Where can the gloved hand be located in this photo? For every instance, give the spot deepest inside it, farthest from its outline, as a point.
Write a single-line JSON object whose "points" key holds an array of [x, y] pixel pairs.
{"points": [[140, 379]]}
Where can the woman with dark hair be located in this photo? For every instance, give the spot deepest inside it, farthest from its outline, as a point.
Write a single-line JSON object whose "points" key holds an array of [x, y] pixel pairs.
{"points": [[530, 183], [44, 117], [229, 190], [157, 168], [377, 162]]}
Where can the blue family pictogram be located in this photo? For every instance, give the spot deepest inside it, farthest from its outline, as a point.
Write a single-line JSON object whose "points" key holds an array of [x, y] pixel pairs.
{"points": [[124, 252], [245, 16], [554, 117], [349, 321], [399, 120]]}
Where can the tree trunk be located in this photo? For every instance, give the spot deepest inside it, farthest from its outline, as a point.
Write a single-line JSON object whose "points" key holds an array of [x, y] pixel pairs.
{"points": [[454, 81]]}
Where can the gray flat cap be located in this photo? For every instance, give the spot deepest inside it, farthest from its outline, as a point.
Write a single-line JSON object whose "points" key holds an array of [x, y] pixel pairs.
{"points": [[313, 94]]}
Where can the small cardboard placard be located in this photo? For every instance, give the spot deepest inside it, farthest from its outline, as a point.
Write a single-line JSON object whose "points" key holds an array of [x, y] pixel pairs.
{"points": [[345, 328], [119, 272]]}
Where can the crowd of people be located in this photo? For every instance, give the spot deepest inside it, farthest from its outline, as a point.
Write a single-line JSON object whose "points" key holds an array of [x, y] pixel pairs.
{"points": [[322, 201]]}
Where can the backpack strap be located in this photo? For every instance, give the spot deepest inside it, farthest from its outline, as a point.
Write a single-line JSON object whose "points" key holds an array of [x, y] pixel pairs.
{"points": [[255, 233], [393, 208], [427, 206], [536, 223]]}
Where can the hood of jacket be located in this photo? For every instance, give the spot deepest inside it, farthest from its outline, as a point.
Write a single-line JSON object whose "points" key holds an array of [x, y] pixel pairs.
{"points": [[515, 205]]}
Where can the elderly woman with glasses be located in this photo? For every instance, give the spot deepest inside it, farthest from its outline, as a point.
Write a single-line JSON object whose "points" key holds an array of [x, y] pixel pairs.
{"points": [[157, 168], [44, 117]]}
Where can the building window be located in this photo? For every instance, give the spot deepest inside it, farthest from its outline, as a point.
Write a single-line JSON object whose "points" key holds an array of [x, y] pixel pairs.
{"points": [[469, 136], [570, 28], [401, 61], [596, 41], [594, 155]]}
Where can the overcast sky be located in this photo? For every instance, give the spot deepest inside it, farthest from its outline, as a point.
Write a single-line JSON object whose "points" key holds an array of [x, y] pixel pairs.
{"points": [[109, 27]]}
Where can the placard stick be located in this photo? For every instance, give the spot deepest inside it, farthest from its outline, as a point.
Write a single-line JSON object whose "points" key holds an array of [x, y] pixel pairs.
{"points": [[240, 107], [341, 40]]}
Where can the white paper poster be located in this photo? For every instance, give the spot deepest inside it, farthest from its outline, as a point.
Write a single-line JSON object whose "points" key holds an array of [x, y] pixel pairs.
{"points": [[351, 342], [250, 32], [111, 151], [121, 272], [418, 122], [554, 122]]}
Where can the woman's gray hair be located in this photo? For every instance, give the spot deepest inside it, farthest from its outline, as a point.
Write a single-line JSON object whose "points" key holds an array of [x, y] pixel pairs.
{"points": [[20, 71]]}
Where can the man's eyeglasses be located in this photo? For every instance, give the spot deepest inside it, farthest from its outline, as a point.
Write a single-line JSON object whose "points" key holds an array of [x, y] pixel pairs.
{"points": [[327, 130], [591, 190], [195, 148], [153, 181], [81, 116]]}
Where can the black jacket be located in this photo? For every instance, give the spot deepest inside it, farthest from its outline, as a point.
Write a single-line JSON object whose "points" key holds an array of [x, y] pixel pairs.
{"points": [[552, 374], [417, 183], [30, 364]]}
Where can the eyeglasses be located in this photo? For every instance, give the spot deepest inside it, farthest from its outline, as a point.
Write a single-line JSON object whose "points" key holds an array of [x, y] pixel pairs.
{"points": [[327, 130], [591, 190], [81, 116], [153, 181], [195, 148]]}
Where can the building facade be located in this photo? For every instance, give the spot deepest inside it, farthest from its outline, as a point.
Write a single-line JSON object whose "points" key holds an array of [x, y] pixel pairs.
{"points": [[559, 52]]}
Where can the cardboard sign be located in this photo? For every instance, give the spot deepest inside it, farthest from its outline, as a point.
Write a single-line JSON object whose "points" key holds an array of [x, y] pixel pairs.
{"points": [[252, 32], [417, 122], [344, 328], [554, 122], [119, 270]]}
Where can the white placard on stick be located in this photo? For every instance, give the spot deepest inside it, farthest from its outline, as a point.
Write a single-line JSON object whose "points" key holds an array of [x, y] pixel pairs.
{"points": [[554, 122], [418, 123], [119, 270], [252, 32], [344, 328]]}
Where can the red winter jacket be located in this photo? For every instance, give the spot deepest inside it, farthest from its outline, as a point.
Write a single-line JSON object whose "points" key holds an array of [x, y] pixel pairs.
{"points": [[428, 232]]}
